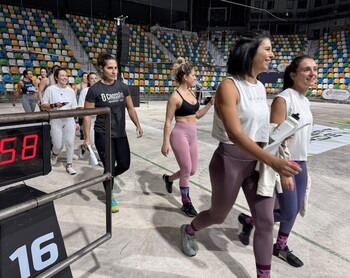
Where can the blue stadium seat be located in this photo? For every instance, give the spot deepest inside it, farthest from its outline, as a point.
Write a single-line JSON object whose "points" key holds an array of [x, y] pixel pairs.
{"points": [[7, 78]]}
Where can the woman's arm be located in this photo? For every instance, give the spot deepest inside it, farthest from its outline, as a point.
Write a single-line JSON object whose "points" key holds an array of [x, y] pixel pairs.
{"points": [[278, 110], [17, 92], [278, 115], [87, 123], [170, 111], [226, 105], [42, 86], [133, 115], [201, 112]]}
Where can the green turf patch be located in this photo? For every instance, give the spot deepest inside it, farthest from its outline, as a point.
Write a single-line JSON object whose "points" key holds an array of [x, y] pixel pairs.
{"points": [[342, 122]]}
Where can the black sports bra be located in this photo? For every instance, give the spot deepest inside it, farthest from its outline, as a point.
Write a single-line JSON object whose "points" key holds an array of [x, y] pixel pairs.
{"points": [[186, 108]]}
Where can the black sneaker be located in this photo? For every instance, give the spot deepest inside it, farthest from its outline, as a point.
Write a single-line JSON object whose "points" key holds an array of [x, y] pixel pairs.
{"points": [[168, 184], [189, 210], [286, 255], [244, 235]]}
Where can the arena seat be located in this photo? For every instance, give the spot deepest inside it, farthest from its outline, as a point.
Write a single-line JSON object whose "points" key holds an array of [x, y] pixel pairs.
{"points": [[331, 56], [101, 36], [31, 37]]}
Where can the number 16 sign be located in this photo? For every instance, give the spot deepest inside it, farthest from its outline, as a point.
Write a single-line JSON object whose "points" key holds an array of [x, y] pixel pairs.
{"points": [[30, 242]]}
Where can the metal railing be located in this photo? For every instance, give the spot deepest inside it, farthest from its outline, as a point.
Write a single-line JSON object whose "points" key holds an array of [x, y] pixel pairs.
{"points": [[46, 198]]}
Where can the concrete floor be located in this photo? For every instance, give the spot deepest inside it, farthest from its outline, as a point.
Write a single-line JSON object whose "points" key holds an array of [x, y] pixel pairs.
{"points": [[145, 239]]}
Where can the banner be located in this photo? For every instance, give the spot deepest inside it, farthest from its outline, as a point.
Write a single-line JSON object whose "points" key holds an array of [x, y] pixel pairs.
{"points": [[336, 94], [324, 138]]}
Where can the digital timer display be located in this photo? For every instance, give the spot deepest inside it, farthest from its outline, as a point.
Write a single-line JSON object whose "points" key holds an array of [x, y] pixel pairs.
{"points": [[24, 152]]}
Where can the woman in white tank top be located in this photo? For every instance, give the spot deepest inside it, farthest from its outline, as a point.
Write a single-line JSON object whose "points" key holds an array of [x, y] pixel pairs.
{"points": [[241, 124]]}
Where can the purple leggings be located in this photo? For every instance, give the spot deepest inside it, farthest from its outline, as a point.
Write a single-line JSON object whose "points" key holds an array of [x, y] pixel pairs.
{"points": [[183, 141], [230, 169], [291, 201]]}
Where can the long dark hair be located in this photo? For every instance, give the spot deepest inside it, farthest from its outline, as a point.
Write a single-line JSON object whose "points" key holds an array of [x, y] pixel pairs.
{"points": [[25, 72], [240, 61], [293, 67], [88, 76]]}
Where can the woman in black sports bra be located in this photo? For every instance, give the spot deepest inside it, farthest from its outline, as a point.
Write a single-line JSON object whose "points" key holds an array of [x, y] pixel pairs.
{"points": [[183, 138]]}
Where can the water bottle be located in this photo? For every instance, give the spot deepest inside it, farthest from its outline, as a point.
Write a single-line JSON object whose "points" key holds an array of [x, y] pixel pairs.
{"points": [[282, 130]]}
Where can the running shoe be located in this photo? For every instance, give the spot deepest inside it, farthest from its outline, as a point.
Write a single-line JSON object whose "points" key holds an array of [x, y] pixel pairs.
{"points": [[244, 235], [82, 151], [168, 184], [286, 255], [70, 170], [189, 210], [187, 242], [53, 158], [115, 207]]}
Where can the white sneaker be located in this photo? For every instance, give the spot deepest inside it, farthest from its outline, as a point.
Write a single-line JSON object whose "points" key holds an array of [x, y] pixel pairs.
{"points": [[53, 158], [82, 151], [70, 170]]}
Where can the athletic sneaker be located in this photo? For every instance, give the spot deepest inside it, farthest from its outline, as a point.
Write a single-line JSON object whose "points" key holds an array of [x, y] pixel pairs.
{"points": [[189, 210], [244, 235], [53, 158], [70, 170], [115, 207], [168, 184], [187, 242], [286, 255], [82, 151]]}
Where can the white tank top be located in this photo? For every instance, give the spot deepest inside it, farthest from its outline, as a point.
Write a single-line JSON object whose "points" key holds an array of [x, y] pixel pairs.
{"points": [[253, 113], [298, 103]]}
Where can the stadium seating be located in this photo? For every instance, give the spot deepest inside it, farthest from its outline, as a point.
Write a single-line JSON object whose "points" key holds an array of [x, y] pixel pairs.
{"points": [[95, 35], [332, 58], [31, 39]]}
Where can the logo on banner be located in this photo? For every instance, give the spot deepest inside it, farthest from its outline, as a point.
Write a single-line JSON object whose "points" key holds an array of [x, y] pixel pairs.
{"points": [[336, 94], [282, 67]]}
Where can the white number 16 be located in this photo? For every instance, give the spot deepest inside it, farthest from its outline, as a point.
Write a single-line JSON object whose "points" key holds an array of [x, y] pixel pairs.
{"points": [[37, 253]]}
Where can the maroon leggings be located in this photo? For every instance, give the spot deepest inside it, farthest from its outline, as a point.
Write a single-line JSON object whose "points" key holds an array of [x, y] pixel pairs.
{"points": [[230, 169]]}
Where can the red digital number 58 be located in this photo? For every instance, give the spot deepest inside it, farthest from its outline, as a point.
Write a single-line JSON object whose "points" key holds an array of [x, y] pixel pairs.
{"points": [[29, 148]]}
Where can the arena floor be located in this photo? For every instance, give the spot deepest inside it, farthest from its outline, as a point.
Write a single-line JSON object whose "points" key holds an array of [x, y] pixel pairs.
{"points": [[145, 238]]}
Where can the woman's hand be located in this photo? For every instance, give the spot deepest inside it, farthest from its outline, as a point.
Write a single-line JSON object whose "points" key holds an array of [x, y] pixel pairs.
{"points": [[284, 167], [139, 132], [287, 182], [86, 143], [212, 100], [165, 149]]}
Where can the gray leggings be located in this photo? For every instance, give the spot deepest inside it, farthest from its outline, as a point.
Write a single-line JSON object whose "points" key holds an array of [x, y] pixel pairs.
{"points": [[230, 169], [29, 102], [63, 133]]}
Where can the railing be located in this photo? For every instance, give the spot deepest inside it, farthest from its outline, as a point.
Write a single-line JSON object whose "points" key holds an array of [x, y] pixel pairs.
{"points": [[46, 198]]}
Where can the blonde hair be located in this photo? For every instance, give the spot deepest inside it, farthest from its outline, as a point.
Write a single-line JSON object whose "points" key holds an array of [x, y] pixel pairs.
{"points": [[181, 68]]}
